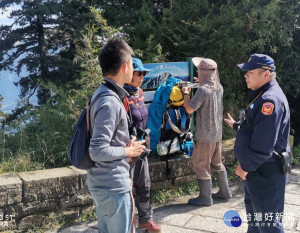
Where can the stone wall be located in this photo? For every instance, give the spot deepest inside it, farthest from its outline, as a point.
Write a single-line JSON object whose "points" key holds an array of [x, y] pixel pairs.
{"points": [[25, 196]]}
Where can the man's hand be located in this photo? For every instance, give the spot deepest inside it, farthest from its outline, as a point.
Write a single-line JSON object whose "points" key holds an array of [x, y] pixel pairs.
{"points": [[135, 148], [185, 90], [240, 172], [186, 99], [230, 121]]}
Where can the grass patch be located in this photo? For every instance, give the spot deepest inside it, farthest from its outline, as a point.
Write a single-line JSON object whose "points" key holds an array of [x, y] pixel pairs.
{"points": [[296, 155], [231, 172], [161, 196], [87, 217], [20, 163]]}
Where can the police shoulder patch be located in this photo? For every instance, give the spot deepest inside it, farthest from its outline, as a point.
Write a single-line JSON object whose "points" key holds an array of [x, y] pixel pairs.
{"points": [[267, 108]]}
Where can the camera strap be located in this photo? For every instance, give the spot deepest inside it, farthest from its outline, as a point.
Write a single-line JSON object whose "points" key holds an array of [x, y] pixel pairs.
{"points": [[254, 99], [242, 114]]}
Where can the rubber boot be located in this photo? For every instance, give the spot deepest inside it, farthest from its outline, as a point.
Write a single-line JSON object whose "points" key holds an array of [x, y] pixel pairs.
{"points": [[224, 191], [204, 198]]}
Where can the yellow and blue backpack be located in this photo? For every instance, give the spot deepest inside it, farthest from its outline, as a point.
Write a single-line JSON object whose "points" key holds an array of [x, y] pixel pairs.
{"points": [[167, 117]]}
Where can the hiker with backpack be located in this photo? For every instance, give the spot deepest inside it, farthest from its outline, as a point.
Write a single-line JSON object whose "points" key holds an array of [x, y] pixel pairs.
{"points": [[206, 158], [139, 167], [110, 145]]}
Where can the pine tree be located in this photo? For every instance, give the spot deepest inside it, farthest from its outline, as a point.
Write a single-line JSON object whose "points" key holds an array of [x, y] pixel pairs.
{"points": [[42, 41], [25, 44]]}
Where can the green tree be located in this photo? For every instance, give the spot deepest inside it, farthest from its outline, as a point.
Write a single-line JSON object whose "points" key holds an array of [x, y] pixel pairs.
{"points": [[288, 66], [2, 129], [40, 44], [25, 44], [39, 137], [226, 31]]}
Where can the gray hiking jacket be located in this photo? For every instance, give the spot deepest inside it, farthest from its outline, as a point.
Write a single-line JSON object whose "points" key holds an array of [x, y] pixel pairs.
{"points": [[110, 136]]}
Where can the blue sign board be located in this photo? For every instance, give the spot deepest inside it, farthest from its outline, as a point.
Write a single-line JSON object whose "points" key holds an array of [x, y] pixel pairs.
{"points": [[160, 72]]}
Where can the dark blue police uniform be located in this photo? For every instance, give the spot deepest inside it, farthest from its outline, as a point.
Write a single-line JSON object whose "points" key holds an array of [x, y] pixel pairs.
{"points": [[265, 129]]}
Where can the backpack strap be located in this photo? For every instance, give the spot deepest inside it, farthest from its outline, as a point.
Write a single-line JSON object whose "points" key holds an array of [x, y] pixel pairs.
{"points": [[88, 106], [114, 89], [165, 118], [90, 103], [169, 146], [174, 127], [184, 117], [126, 103]]}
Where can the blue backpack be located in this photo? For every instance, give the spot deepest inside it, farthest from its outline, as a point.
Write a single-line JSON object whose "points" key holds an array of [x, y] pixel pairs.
{"points": [[176, 119], [157, 109], [166, 123], [78, 150]]}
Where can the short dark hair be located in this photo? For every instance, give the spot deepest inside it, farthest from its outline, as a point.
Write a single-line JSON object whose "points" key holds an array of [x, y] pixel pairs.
{"points": [[114, 53]]}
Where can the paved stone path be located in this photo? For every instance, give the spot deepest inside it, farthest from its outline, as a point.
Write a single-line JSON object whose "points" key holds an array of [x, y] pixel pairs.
{"points": [[177, 217]]}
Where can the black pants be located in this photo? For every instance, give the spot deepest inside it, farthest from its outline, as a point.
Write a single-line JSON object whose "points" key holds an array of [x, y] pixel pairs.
{"points": [[139, 173], [264, 198]]}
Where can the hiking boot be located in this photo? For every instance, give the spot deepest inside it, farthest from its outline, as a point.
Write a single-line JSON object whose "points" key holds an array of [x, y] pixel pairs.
{"points": [[150, 226]]}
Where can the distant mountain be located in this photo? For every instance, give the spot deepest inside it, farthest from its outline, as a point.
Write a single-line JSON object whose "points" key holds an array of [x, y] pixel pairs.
{"points": [[154, 82]]}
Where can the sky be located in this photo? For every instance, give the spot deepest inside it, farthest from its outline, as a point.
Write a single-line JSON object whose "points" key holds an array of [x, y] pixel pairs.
{"points": [[8, 90]]}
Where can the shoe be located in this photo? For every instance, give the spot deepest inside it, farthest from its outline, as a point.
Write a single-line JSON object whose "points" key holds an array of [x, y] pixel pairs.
{"points": [[204, 198], [224, 191], [150, 226]]}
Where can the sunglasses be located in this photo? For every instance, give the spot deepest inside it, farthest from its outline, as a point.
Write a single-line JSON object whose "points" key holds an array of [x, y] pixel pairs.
{"points": [[140, 73]]}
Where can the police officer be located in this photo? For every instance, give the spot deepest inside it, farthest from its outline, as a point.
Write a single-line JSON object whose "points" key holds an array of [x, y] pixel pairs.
{"points": [[263, 132]]}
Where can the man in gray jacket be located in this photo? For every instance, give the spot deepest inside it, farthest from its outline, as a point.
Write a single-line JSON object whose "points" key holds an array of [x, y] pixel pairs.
{"points": [[110, 145]]}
